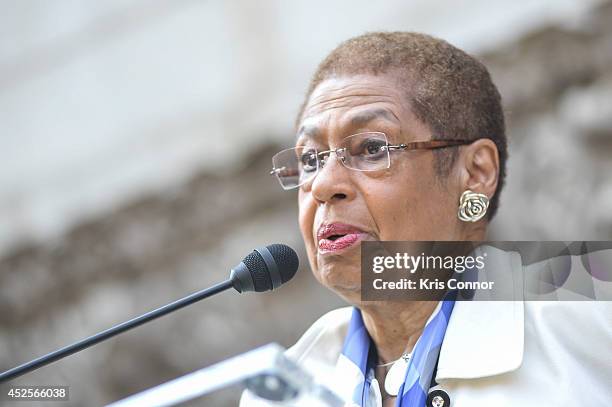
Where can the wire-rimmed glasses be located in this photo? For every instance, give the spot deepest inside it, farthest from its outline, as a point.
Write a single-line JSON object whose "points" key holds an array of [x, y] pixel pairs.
{"points": [[368, 151]]}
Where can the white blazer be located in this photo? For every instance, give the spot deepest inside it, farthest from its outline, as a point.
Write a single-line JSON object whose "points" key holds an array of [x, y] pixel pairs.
{"points": [[495, 353]]}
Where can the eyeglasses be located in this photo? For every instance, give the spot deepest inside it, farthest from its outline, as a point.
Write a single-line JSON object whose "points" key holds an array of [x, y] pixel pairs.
{"points": [[369, 151]]}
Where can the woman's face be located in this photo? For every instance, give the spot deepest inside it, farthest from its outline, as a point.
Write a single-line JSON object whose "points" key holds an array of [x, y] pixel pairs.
{"points": [[342, 207]]}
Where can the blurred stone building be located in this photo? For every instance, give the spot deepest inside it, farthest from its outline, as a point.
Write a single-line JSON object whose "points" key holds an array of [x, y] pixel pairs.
{"points": [[137, 138]]}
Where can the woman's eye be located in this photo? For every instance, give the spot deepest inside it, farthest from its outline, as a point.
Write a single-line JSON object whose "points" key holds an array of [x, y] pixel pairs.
{"points": [[308, 161], [373, 147]]}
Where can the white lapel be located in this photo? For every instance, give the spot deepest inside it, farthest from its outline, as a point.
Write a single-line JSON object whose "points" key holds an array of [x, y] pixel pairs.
{"points": [[347, 377], [485, 338]]}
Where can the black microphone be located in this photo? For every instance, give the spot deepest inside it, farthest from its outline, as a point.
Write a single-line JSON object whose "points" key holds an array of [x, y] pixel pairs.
{"points": [[264, 269]]}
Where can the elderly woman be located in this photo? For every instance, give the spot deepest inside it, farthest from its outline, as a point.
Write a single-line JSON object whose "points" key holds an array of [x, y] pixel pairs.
{"points": [[401, 137]]}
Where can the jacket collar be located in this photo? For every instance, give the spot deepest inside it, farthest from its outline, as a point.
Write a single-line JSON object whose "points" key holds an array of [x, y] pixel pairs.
{"points": [[485, 338]]}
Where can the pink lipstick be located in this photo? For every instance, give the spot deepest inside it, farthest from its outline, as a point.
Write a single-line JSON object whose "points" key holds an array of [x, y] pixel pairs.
{"points": [[334, 237]]}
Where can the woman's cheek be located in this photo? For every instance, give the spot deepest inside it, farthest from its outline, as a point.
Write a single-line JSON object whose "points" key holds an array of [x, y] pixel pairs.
{"points": [[306, 219], [383, 208]]}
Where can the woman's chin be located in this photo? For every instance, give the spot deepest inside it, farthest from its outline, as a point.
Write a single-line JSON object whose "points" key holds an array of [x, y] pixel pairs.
{"points": [[349, 289], [341, 275]]}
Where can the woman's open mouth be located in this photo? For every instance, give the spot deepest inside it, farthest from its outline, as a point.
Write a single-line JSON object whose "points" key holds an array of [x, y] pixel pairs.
{"points": [[334, 237]]}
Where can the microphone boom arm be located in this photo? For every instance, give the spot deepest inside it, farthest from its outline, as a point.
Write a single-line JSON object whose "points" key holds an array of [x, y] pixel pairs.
{"points": [[264, 269]]}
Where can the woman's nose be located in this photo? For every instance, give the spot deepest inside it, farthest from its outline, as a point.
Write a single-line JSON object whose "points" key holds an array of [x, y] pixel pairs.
{"points": [[332, 182]]}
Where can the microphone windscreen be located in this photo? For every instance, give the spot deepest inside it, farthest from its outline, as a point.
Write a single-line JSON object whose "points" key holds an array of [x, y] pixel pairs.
{"points": [[287, 260], [256, 266], [280, 267]]}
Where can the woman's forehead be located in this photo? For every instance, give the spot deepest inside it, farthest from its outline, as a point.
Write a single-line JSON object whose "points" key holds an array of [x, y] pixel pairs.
{"points": [[352, 91], [356, 101], [317, 127]]}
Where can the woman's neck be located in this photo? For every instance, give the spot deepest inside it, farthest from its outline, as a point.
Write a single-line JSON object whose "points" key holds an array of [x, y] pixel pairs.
{"points": [[396, 326]]}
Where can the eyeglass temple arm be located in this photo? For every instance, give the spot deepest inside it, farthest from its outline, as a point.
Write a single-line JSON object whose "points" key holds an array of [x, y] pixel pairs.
{"points": [[428, 145]]}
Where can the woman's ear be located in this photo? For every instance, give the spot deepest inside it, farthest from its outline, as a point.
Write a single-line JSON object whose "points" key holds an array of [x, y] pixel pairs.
{"points": [[481, 167]]}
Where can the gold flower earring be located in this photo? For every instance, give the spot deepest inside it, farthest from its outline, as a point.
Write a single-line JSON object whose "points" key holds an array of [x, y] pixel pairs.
{"points": [[472, 206]]}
